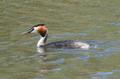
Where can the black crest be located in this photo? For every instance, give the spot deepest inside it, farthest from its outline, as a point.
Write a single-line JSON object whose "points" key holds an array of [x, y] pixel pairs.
{"points": [[38, 25]]}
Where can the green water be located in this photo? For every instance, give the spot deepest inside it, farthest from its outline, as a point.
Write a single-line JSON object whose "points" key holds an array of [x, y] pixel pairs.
{"points": [[94, 21]]}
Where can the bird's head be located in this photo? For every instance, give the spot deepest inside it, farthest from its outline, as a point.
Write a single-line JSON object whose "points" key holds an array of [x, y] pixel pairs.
{"points": [[39, 28]]}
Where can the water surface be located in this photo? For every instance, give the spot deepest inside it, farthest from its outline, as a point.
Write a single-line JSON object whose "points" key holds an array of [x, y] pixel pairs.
{"points": [[92, 21]]}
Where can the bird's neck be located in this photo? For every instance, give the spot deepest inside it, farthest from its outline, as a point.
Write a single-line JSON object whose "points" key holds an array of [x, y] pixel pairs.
{"points": [[42, 41]]}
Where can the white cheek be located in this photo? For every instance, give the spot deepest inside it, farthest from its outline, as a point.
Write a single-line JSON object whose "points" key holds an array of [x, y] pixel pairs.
{"points": [[35, 30]]}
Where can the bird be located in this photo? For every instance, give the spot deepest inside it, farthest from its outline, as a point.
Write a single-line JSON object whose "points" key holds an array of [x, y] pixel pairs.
{"points": [[42, 30]]}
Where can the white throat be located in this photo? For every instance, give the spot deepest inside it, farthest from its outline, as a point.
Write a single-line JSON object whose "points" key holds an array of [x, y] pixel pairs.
{"points": [[42, 41]]}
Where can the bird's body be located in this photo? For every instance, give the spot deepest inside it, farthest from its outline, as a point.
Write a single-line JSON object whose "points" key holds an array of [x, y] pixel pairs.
{"points": [[67, 44]]}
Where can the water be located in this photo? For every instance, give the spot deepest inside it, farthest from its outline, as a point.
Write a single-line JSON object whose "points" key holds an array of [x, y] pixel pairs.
{"points": [[93, 21]]}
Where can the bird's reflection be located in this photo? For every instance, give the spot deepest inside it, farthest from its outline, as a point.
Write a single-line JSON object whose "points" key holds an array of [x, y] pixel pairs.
{"points": [[42, 52]]}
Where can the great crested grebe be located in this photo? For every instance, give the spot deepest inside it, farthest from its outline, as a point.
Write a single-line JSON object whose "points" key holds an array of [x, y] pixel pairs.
{"points": [[43, 31]]}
